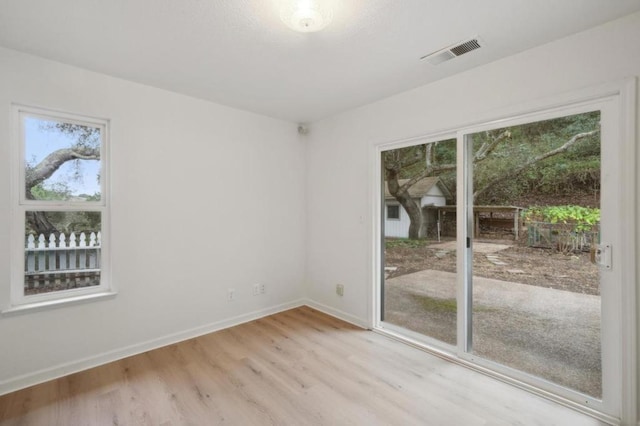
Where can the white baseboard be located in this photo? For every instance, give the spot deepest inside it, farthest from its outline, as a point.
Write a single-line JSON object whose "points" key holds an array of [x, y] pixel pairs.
{"points": [[61, 370], [352, 319]]}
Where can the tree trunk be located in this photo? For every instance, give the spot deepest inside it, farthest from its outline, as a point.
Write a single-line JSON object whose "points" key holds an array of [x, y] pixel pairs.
{"points": [[417, 227], [39, 223]]}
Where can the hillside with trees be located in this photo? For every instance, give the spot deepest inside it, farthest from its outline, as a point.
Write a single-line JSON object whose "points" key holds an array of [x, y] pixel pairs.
{"points": [[544, 163]]}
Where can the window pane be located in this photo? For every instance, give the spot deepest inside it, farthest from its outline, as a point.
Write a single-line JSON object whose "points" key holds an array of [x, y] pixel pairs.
{"points": [[536, 295], [62, 160], [62, 250], [393, 212], [419, 282]]}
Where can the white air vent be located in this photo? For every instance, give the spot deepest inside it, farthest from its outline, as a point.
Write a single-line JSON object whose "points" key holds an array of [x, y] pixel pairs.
{"points": [[452, 51]]}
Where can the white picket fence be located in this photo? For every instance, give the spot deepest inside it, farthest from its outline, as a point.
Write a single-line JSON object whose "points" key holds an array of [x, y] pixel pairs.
{"points": [[68, 262]]}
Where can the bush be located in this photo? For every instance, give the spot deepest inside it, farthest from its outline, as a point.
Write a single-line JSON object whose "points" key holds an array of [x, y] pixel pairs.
{"points": [[568, 229], [583, 219]]}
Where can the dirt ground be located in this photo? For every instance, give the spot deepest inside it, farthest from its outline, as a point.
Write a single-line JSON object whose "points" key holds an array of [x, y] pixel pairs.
{"points": [[526, 265]]}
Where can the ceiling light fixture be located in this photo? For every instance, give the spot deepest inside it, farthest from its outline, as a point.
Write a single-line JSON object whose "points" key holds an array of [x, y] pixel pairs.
{"points": [[306, 16]]}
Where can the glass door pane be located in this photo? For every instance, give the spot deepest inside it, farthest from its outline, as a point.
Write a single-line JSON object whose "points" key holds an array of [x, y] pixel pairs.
{"points": [[535, 221], [419, 239]]}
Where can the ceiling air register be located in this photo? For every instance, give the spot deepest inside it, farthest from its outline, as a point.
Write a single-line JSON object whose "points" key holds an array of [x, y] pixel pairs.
{"points": [[452, 51]]}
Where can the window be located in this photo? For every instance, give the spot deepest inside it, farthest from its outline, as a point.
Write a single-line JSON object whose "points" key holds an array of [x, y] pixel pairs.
{"points": [[393, 212], [60, 207]]}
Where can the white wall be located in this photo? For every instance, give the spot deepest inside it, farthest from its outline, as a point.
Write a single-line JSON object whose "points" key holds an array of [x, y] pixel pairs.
{"points": [[341, 148], [399, 228], [396, 228], [435, 197], [204, 198]]}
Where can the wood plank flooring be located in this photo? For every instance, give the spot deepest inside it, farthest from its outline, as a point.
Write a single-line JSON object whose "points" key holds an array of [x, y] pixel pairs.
{"points": [[298, 367]]}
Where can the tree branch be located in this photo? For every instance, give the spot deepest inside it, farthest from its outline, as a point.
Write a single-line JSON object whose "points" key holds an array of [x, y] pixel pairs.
{"points": [[488, 146], [484, 151], [534, 160], [402, 158], [55, 160]]}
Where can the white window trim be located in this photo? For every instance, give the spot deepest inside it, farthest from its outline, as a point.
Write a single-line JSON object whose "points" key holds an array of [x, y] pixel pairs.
{"points": [[18, 302]]}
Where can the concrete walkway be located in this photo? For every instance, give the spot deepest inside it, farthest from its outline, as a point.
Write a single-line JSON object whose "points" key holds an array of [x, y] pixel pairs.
{"points": [[543, 302]]}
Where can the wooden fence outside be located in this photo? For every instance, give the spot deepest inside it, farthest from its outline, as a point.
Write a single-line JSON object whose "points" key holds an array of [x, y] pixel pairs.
{"points": [[562, 237], [57, 263]]}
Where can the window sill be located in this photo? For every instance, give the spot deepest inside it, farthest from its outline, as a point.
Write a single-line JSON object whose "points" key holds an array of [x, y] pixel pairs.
{"points": [[51, 304]]}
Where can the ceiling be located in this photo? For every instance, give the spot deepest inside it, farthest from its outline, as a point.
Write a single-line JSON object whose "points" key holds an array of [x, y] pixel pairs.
{"points": [[239, 53]]}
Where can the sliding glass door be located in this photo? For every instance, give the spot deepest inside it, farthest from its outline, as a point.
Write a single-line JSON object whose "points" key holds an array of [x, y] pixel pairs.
{"points": [[510, 262]]}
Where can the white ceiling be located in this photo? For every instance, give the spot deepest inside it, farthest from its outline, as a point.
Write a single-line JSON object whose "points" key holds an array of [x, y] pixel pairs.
{"points": [[239, 53]]}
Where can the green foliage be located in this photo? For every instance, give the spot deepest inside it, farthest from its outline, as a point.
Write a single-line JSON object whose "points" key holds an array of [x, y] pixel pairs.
{"points": [[56, 192], [432, 304], [69, 221], [581, 218], [444, 152], [411, 161], [571, 175], [445, 306], [574, 171], [560, 178], [94, 197], [405, 243], [85, 136]]}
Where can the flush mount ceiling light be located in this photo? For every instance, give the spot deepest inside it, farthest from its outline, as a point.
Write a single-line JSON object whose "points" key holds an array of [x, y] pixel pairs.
{"points": [[306, 16]]}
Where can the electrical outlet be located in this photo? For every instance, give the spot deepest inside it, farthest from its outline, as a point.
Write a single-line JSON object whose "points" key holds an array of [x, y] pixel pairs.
{"points": [[231, 294], [263, 289], [340, 289]]}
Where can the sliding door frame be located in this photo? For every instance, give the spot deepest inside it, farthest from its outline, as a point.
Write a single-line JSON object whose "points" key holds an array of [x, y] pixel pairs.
{"points": [[610, 339], [379, 216], [624, 94]]}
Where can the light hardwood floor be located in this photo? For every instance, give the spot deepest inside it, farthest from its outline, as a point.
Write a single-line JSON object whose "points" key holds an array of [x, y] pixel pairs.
{"points": [[298, 367]]}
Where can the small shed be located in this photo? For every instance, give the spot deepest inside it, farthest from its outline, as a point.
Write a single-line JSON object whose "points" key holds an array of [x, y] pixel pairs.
{"points": [[429, 191]]}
